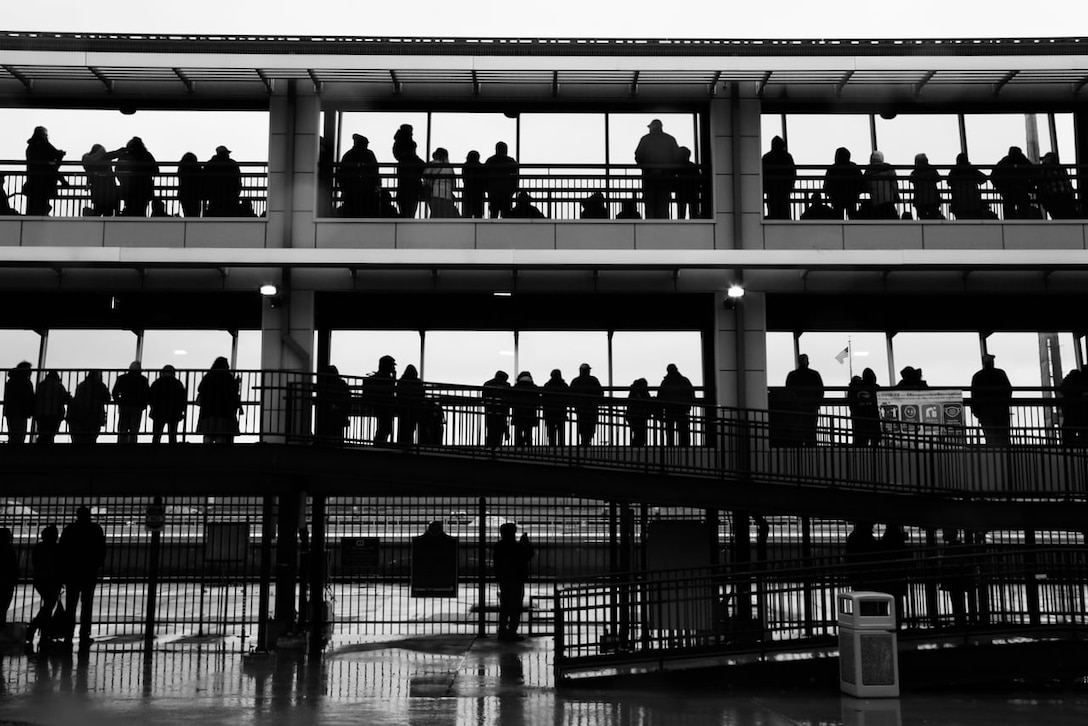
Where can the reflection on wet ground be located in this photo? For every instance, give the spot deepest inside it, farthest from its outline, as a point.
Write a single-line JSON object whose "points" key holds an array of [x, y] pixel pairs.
{"points": [[434, 680]]}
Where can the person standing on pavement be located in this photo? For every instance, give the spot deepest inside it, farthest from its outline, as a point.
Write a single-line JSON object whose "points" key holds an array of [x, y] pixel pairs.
{"points": [[83, 550], [510, 559]]}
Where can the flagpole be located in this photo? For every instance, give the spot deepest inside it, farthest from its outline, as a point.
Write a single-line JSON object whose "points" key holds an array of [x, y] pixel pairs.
{"points": [[850, 355]]}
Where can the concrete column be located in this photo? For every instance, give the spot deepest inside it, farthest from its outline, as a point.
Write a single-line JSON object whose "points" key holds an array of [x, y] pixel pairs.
{"points": [[742, 363], [721, 162], [749, 172]]}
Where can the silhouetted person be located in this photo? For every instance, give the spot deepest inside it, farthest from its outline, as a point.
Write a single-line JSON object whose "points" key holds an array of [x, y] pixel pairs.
{"points": [[779, 179], [438, 181], [861, 554], [1073, 402], [359, 179], [409, 171], [955, 574], [1014, 179], [131, 393], [496, 401], [50, 401], [502, 181], [883, 186], [628, 210], [6, 210], [524, 408], [168, 400], [158, 208], [191, 192], [807, 386], [48, 580], [843, 184], [927, 198], [83, 550], [640, 409], [910, 379], [9, 574], [474, 186], [510, 559], [410, 404], [1055, 190], [816, 209], [18, 402], [594, 207], [386, 208], [525, 209], [894, 550], [222, 184], [587, 395], [965, 182], [136, 170], [658, 156], [332, 406], [219, 397], [87, 410], [555, 398], [42, 172], [380, 391], [689, 183], [991, 396], [861, 397], [676, 396], [101, 181]]}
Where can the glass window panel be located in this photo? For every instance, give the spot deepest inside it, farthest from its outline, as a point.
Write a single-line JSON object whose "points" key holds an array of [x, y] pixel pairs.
{"points": [[867, 350], [780, 360], [947, 360], [555, 138], [460, 133], [645, 354], [539, 352], [1069, 349], [1018, 355], [813, 138], [902, 137], [469, 357], [184, 349], [19, 345], [356, 352], [84, 349], [167, 134], [989, 136], [249, 350]]}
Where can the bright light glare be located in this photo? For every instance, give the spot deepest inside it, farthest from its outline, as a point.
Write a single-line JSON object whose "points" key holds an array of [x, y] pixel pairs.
{"points": [[735, 292], [268, 290]]}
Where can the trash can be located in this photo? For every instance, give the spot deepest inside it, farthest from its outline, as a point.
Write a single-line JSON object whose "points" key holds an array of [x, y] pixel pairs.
{"points": [[868, 649]]}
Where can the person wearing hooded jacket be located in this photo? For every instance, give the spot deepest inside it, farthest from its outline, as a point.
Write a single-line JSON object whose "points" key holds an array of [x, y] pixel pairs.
{"points": [[168, 399], [524, 408], [50, 401], [843, 184], [965, 182], [409, 171], [136, 170], [555, 397], [131, 393], [925, 178], [883, 186], [864, 411], [1014, 179], [18, 402], [87, 410], [410, 404], [42, 172], [779, 179]]}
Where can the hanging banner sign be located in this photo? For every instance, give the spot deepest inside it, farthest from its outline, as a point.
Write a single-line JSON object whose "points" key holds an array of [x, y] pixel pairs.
{"points": [[925, 416]]}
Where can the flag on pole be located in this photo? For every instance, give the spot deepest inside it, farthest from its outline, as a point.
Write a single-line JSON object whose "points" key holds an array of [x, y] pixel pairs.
{"points": [[842, 355]]}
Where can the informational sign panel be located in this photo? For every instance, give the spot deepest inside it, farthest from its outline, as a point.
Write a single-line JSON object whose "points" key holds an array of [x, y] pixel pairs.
{"points": [[926, 416], [358, 555], [679, 545], [226, 542], [155, 518], [434, 566]]}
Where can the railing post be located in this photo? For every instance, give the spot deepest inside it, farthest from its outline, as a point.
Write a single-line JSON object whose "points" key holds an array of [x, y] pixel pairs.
{"points": [[152, 582], [264, 587], [1031, 585], [481, 573], [317, 576]]}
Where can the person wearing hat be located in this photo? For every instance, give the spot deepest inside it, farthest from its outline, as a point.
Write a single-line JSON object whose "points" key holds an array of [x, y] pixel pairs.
{"points": [[910, 379], [131, 393], [525, 408], [222, 184], [379, 391], [658, 156], [991, 396], [555, 396], [358, 178], [587, 396], [18, 402]]}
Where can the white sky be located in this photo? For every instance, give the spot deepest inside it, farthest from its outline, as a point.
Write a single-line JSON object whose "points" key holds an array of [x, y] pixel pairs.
{"points": [[558, 18]]}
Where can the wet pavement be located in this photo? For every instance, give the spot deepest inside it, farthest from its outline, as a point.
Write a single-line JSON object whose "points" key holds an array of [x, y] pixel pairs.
{"points": [[451, 679]]}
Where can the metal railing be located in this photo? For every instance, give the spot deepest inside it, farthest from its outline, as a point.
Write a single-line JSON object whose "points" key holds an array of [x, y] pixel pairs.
{"points": [[990, 204], [711, 442], [650, 617], [73, 195], [556, 190]]}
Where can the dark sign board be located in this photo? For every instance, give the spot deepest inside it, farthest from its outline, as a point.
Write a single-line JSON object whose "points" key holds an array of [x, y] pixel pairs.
{"points": [[358, 555], [434, 566]]}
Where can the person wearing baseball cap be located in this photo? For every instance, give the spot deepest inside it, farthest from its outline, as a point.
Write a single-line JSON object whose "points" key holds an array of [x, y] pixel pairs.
{"points": [[587, 395], [658, 155]]}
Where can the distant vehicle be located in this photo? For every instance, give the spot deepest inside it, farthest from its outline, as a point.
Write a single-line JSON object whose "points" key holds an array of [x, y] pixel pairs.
{"points": [[14, 509], [491, 522], [460, 516]]}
